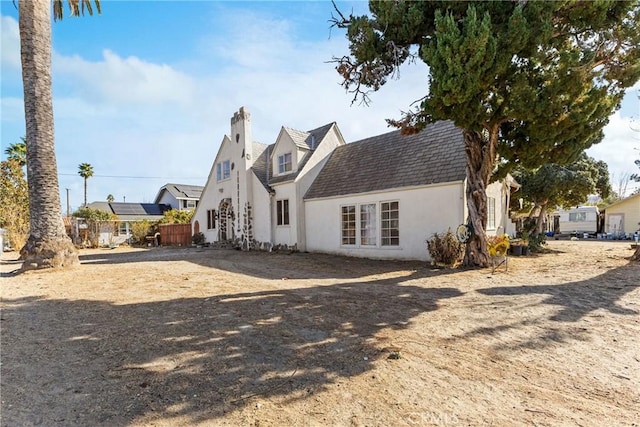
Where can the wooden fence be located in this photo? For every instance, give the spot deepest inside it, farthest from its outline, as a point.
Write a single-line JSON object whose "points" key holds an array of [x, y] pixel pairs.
{"points": [[175, 234]]}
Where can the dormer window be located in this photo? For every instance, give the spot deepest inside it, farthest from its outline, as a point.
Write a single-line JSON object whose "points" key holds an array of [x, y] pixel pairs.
{"points": [[223, 170], [284, 163]]}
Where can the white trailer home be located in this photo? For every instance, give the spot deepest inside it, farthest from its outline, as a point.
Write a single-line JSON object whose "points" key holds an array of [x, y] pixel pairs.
{"points": [[580, 220]]}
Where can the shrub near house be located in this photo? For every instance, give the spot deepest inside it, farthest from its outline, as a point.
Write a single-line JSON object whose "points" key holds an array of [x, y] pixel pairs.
{"points": [[97, 222]]}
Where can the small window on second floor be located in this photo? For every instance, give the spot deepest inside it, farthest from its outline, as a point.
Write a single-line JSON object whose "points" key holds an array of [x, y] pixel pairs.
{"points": [[284, 163], [223, 170]]}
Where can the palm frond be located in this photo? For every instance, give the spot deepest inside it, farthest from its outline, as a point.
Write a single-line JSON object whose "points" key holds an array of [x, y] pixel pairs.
{"points": [[76, 8]]}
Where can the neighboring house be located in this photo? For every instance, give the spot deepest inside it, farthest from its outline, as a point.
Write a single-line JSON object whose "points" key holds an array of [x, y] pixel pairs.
{"points": [[179, 196], [381, 197], [579, 220], [127, 213], [623, 217]]}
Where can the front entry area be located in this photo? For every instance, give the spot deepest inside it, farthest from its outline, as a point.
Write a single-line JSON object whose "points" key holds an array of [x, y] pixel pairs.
{"points": [[226, 220]]}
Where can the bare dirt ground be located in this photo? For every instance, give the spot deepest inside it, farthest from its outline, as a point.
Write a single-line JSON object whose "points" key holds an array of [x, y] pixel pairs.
{"points": [[183, 337]]}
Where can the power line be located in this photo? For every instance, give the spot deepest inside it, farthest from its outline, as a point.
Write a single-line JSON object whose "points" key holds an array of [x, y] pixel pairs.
{"points": [[135, 177]]}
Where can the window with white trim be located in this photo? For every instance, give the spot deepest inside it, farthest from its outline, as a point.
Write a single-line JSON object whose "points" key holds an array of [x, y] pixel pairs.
{"points": [[282, 207], [491, 213], [223, 170], [390, 224], [123, 228], [348, 225], [285, 163], [368, 225]]}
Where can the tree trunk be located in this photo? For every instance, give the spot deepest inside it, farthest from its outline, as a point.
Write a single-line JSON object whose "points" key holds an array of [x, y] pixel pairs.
{"points": [[48, 244], [85, 191], [540, 221], [636, 255], [480, 151]]}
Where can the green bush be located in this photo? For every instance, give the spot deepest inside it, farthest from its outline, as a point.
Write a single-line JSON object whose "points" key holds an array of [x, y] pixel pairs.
{"points": [[175, 216], [198, 239], [140, 230], [536, 241], [445, 249]]}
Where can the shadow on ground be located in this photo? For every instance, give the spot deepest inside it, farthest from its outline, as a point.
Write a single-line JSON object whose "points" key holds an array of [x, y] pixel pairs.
{"points": [[574, 302], [274, 265], [96, 363]]}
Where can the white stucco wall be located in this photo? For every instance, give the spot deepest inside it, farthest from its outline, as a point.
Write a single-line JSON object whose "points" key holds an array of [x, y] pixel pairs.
{"points": [[499, 191], [215, 191], [237, 187], [208, 200], [261, 211], [285, 234], [422, 212], [306, 177]]}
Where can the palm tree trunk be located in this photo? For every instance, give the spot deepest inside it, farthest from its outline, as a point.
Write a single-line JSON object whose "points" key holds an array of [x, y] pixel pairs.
{"points": [[85, 191], [480, 151], [48, 244]]}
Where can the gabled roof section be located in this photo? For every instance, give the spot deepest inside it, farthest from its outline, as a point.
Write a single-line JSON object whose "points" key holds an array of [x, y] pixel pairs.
{"points": [[299, 137], [181, 191], [313, 139], [392, 160], [625, 200]]}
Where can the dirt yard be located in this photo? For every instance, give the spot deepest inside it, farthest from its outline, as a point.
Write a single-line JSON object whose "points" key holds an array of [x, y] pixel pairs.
{"points": [[184, 337]]}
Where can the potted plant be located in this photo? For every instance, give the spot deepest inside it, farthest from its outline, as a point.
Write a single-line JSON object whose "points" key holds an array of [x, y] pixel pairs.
{"points": [[516, 247]]}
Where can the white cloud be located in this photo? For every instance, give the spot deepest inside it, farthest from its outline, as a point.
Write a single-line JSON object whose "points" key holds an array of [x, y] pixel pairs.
{"points": [[619, 148], [125, 80]]}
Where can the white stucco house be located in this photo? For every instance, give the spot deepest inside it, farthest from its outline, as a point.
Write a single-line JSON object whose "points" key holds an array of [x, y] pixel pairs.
{"points": [[380, 197]]}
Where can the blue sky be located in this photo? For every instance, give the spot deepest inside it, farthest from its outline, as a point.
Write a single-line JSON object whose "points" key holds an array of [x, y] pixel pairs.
{"points": [[145, 91]]}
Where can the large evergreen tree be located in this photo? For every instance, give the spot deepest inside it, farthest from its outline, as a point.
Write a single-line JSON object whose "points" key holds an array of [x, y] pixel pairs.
{"points": [[531, 82], [48, 244]]}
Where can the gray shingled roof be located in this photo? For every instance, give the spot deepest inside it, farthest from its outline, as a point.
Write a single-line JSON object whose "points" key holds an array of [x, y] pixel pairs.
{"points": [[299, 137], [262, 165], [182, 191], [393, 160], [306, 139]]}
